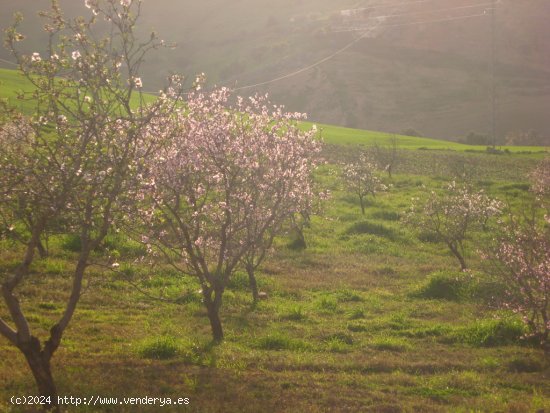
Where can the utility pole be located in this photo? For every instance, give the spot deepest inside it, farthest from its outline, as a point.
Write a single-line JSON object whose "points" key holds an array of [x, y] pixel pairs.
{"points": [[493, 88]]}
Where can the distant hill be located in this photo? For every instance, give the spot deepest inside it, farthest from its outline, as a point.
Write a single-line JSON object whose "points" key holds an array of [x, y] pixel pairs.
{"points": [[12, 82], [432, 77]]}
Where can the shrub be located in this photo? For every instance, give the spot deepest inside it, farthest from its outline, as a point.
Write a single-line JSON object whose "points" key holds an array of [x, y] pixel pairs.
{"points": [[159, 348], [443, 286], [72, 243], [386, 215], [367, 227], [490, 333], [295, 314]]}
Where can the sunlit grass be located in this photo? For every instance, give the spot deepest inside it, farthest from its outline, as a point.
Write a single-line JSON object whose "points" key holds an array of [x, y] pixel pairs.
{"points": [[369, 316]]}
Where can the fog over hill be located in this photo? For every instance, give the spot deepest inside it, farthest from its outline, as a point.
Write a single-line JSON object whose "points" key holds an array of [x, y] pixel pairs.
{"points": [[418, 64]]}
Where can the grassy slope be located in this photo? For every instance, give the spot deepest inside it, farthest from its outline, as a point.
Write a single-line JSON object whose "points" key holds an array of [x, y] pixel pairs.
{"points": [[344, 328], [11, 83], [347, 136]]}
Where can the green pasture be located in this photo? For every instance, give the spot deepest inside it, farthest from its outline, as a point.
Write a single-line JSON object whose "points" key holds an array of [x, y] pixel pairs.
{"points": [[12, 83], [372, 316]]}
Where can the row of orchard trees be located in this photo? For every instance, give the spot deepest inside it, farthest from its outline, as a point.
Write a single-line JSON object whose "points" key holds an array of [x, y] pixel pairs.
{"points": [[205, 184], [519, 254]]}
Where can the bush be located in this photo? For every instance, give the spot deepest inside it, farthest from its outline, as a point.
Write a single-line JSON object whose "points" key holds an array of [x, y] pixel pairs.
{"points": [[159, 348], [294, 314], [366, 227], [443, 286], [72, 243], [490, 333]]}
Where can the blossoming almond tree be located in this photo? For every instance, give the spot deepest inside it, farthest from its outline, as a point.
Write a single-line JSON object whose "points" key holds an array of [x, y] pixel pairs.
{"points": [[540, 179], [361, 178], [224, 185], [521, 258], [73, 166], [452, 214]]}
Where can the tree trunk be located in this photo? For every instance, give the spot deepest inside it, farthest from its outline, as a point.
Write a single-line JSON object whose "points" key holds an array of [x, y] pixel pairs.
{"points": [[41, 250], [39, 364], [362, 205], [252, 281], [213, 308], [459, 256]]}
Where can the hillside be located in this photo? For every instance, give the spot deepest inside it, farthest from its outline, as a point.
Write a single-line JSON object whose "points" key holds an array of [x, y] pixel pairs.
{"points": [[431, 77], [12, 83]]}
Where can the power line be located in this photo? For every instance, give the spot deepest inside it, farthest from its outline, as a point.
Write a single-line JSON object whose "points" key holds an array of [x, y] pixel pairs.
{"points": [[311, 66], [8, 62], [384, 6], [331, 56], [430, 11], [350, 44], [416, 23]]}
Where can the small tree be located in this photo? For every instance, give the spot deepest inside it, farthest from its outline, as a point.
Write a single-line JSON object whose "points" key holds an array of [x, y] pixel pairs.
{"points": [[387, 156], [521, 258], [450, 216], [74, 166], [222, 187], [540, 179], [360, 177], [258, 251]]}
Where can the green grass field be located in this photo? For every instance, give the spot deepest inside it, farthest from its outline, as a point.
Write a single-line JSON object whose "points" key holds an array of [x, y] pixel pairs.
{"points": [[370, 317], [346, 136], [12, 82]]}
